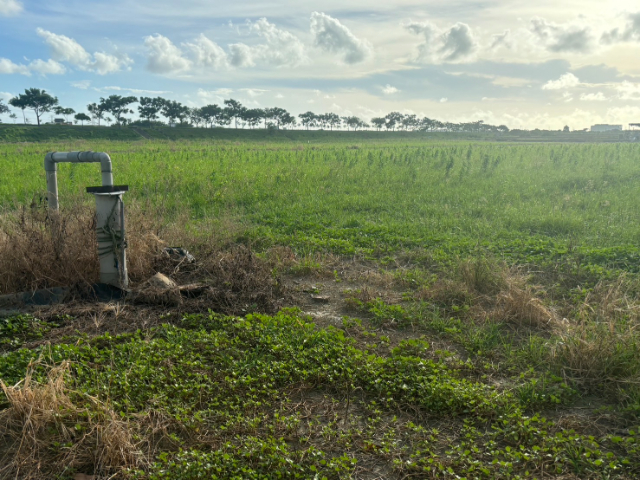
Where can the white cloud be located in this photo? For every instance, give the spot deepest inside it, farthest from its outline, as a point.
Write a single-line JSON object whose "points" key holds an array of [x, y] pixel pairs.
{"points": [[444, 100], [455, 44], [65, 49], [9, 8], [282, 48], [50, 67], [593, 97], [558, 38], [82, 85], [241, 55], [214, 96], [7, 67], [631, 32], [332, 36], [567, 80], [163, 56], [458, 43], [208, 53], [628, 91], [131, 90], [389, 90], [106, 63], [253, 92], [279, 95]]}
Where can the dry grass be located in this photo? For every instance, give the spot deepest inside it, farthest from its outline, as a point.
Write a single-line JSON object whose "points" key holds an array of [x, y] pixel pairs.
{"points": [[598, 356], [42, 249], [46, 433]]}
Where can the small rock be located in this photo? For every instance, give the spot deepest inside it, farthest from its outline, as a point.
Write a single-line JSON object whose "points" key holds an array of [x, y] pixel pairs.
{"points": [[161, 281]]}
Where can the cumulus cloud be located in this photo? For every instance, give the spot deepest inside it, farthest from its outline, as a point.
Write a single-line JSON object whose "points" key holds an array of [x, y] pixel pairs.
{"points": [[163, 56], [50, 67], [389, 90], [568, 80], [241, 55], [593, 97], [104, 63], [10, 7], [453, 45], [562, 38], [458, 43], [332, 36], [7, 67], [444, 100], [282, 48], [208, 53], [65, 49], [630, 33]]}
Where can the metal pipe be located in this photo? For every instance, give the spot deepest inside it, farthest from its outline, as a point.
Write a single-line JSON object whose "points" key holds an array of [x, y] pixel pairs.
{"points": [[52, 159]]}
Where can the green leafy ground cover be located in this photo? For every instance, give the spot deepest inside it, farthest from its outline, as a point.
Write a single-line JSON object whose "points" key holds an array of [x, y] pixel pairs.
{"points": [[450, 364]]}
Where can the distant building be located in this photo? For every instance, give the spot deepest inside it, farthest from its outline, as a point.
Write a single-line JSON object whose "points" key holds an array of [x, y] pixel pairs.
{"points": [[605, 128], [59, 121]]}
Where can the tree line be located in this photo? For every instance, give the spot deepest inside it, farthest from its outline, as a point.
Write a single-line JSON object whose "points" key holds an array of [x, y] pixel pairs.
{"points": [[232, 112]]}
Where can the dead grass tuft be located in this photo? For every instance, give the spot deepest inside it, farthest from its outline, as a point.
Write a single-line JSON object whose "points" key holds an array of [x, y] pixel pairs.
{"points": [[616, 301], [46, 433], [599, 355], [520, 306]]}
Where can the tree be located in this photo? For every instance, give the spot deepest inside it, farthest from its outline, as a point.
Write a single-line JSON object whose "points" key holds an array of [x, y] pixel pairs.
{"points": [[280, 117], [150, 107], [392, 119], [65, 112], [252, 116], [378, 122], [96, 111], [194, 116], [353, 122], [35, 99], [308, 119], [566, 128], [234, 109], [13, 117], [333, 120], [409, 122], [117, 105], [210, 114], [3, 108], [82, 117], [173, 109]]}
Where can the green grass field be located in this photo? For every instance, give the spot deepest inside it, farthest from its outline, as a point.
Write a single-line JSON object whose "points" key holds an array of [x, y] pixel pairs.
{"points": [[487, 292]]}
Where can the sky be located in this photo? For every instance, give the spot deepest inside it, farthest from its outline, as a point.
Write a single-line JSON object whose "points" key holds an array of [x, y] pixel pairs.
{"points": [[542, 64]]}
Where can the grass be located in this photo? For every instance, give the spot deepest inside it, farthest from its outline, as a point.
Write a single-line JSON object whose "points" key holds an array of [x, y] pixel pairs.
{"points": [[488, 292]]}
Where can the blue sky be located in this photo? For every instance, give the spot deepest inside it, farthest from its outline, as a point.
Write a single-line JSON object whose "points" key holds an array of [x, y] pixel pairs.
{"points": [[525, 64]]}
